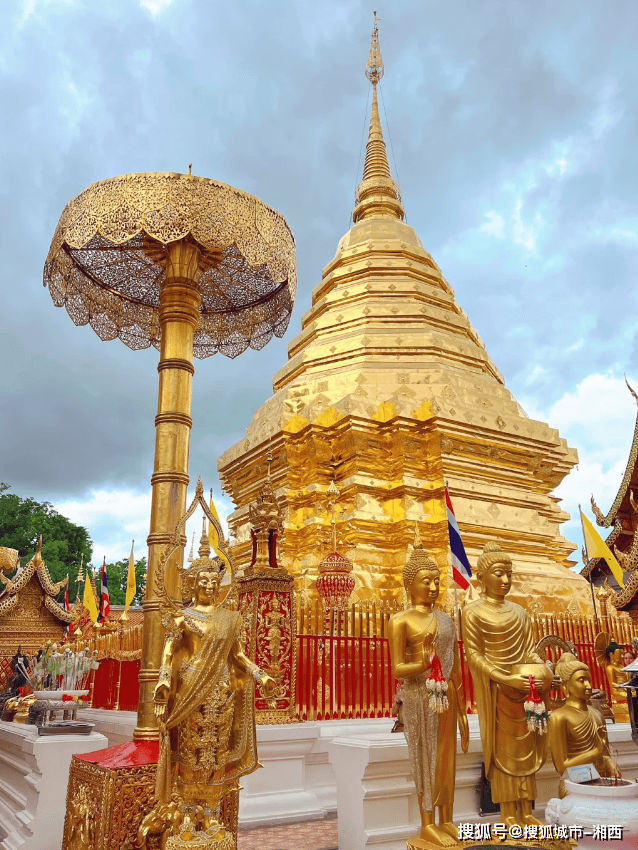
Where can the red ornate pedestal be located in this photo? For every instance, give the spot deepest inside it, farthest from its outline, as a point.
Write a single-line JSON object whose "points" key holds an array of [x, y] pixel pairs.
{"points": [[267, 605], [110, 791]]}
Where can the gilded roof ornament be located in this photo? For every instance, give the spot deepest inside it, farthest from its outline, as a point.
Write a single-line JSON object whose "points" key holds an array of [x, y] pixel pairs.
{"points": [[374, 66], [377, 194], [36, 566], [108, 261]]}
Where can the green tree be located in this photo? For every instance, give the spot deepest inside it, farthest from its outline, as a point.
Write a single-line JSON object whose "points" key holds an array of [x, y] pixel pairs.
{"points": [[23, 520], [117, 575]]}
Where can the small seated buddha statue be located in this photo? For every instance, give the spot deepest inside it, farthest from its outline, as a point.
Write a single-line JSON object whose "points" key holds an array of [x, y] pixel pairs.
{"points": [[577, 732], [614, 671]]}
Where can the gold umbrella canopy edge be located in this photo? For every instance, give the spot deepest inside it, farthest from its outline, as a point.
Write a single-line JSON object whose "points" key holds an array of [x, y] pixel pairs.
{"points": [[105, 264]]}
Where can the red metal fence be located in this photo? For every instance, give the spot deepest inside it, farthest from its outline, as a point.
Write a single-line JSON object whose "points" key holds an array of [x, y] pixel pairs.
{"points": [[344, 670], [343, 677]]}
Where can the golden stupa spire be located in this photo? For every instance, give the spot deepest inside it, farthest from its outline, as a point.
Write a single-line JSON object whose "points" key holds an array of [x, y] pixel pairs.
{"points": [[377, 194], [204, 543], [80, 578]]}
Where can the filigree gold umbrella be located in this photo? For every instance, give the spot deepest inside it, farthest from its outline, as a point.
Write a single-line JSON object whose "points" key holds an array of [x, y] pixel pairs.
{"points": [[193, 267]]}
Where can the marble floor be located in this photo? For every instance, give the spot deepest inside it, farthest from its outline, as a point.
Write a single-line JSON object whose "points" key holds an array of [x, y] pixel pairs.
{"points": [[311, 835]]}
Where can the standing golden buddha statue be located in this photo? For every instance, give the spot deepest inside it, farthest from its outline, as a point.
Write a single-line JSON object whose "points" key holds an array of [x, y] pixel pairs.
{"points": [[204, 700], [577, 732], [609, 655], [425, 655], [499, 647]]}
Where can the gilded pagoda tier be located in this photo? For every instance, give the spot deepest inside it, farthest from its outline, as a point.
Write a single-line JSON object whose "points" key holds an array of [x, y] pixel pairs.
{"points": [[390, 391]]}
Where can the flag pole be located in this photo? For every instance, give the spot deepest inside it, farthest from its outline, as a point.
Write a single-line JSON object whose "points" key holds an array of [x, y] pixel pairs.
{"points": [[457, 613], [591, 583]]}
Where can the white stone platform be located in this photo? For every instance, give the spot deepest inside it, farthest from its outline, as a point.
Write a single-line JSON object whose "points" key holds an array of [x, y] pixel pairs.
{"points": [[297, 783], [34, 773], [359, 768], [375, 788]]}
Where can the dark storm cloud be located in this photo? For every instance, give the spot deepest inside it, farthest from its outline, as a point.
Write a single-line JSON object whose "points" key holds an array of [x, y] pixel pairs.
{"points": [[484, 100]]}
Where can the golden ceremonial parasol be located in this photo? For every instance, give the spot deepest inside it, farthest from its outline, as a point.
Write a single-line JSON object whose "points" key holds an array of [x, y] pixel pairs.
{"points": [[193, 267]]}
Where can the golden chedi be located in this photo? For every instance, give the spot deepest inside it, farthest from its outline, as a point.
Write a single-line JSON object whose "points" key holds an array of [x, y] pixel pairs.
{"points": [[389, 390], [499, 647], [425, 655], [577, 732], [204, 700]]}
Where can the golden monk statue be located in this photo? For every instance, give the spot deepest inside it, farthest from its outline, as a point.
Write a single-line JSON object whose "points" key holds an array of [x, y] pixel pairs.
{"points": [[424, 651], [499, 647], [577, 732], [205, 703], [613, 663]]}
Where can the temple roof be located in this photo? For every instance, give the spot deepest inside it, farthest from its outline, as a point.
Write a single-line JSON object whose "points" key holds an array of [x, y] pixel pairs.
{"points": [[35, 567], [622, 540]]}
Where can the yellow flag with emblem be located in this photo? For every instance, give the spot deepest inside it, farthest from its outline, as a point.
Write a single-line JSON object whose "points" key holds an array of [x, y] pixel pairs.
{"points": [[88, 600], [131, 586], [596, 547]]}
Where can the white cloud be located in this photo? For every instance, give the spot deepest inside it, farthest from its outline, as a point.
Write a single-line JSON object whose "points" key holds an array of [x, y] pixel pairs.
{"points": [[597, 419], [156, 6], [537, 372], [576, 346], [29, 8], [494, 226], [525, 234], [624, 232], [115, 517]]}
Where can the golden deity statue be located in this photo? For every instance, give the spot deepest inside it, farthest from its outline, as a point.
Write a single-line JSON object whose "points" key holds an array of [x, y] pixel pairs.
{"points": [[425, 655], [577, 732], [609, 655], [499, 647], [204, 700]]}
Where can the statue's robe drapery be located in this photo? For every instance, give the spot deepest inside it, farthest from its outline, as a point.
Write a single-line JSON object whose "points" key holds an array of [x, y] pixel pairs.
{"points": [[431, 737], [199, 682], [580, 732], [497, 636]]}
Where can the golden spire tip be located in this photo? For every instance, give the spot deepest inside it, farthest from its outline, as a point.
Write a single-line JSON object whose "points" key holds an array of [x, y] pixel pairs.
{"points": [[374, 65]]}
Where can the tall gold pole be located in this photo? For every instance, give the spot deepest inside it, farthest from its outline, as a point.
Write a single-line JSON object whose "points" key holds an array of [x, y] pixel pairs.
{"points": [[179, 317]]}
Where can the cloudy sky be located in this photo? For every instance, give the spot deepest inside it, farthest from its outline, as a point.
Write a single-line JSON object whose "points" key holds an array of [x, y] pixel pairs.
{"points": [[514, 127]]}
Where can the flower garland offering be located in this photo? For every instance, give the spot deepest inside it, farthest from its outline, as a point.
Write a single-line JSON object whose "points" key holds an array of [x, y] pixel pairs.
{"points": [[70, 698], [436, 686], [535, 710]]}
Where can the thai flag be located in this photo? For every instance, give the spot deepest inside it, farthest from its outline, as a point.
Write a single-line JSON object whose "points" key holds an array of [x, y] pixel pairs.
{"points": [[460, 565], [105, 604]]}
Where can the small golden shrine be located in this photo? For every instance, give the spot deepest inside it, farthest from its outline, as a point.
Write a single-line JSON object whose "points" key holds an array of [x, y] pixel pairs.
{"points": [[29, 613], [389, 391], [622, 518]]}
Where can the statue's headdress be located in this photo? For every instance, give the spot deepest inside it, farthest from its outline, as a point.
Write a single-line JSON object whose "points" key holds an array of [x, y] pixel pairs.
{"points": [[492, 554], [188, 575], [418, 560], [567, 665], [203, 564]]}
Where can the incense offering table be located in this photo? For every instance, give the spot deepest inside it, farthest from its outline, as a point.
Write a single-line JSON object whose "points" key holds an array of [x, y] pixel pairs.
{"points": [[33, 781]]}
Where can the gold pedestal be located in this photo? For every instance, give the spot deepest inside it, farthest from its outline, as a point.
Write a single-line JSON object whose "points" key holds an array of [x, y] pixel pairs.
{"points": [[621, 712], [202, 841], [417, 843], [111, 791]]}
